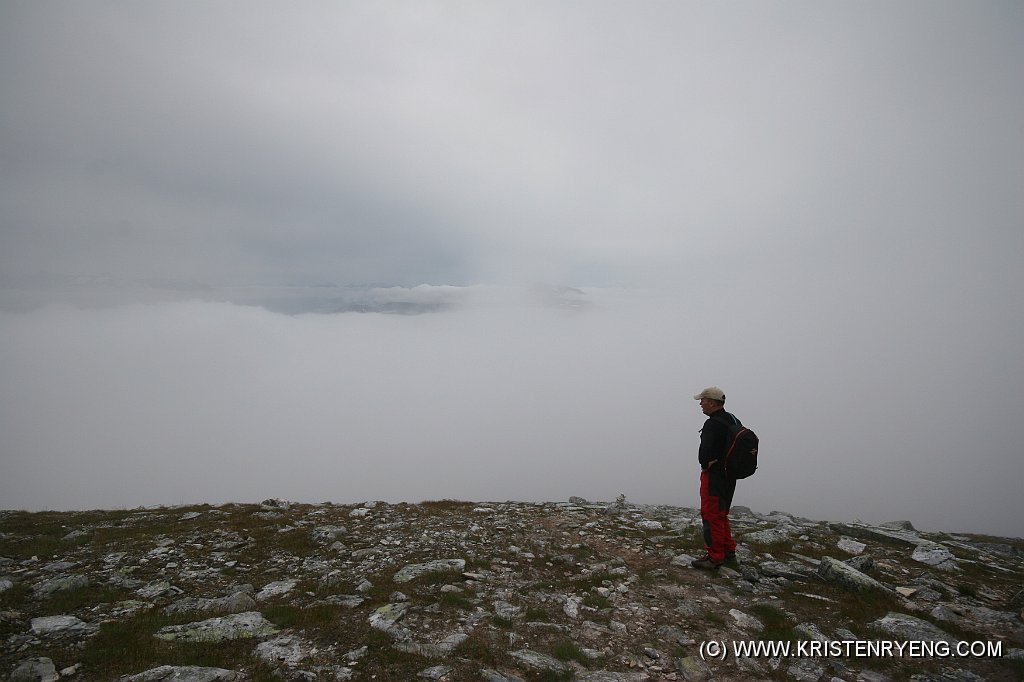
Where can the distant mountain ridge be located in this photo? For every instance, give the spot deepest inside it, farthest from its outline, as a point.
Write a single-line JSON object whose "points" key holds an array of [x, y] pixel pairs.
{"points": [[105, 291]]}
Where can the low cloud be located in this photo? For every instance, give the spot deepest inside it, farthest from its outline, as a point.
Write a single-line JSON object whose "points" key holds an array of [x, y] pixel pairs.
{"points": [[194, 401]]}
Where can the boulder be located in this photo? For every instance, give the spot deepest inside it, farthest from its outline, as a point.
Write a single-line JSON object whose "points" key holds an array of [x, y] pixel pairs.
{"points": [[238, 602], [934, 554], [35, 670], [832, 570], [325, 535]]}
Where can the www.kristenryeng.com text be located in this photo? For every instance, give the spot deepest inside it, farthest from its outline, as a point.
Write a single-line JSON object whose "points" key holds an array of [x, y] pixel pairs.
{"points": [[719, 650]]}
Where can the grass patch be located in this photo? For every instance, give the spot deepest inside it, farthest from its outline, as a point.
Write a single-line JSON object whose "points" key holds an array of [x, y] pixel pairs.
{"points": [[859, 607], [715, 618], [454, 600], [596, 601], [568, 651], [776, 624], [480, 649], [592, 581], [967, 590], [16, 596], [1015, 668], [770, 615], [127, 647], [68, 601], [537, 615], [385, 662], [444, 506], [288, 616]]}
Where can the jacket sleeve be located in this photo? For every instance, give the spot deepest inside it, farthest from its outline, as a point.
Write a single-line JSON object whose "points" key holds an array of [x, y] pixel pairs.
{"points": [[712, 443]]}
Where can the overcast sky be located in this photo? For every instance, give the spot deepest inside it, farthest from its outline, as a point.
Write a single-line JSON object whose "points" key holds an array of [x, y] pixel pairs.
{"points": [[817, 206]]}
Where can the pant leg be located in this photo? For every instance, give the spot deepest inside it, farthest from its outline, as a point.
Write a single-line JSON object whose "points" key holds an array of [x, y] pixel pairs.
{"points": [[729, 543], [714, 520]]}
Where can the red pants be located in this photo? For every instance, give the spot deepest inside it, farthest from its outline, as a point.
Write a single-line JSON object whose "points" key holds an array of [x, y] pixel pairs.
{"points": [[715, 500]]}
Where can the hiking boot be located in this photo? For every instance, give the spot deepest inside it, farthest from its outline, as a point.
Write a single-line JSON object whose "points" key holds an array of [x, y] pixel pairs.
{"points": [[730, 558], [706, 563]]}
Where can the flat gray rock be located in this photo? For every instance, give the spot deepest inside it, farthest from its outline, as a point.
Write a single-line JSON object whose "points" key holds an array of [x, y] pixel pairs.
{"points": [[236, 626], [186, 673], [847, 576], [911, 628], [413, 571], [489, 675], [934, 554], [538, 662], [54, 625], [238, 602], [35, 670], [61, 584], [276, 589]]}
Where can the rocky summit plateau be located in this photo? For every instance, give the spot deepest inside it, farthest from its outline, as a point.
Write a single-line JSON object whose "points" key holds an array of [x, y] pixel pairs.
{"points": [[452, 590]]}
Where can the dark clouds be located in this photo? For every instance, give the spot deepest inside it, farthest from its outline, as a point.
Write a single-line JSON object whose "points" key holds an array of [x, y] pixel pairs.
{"points": [[467, 143]]}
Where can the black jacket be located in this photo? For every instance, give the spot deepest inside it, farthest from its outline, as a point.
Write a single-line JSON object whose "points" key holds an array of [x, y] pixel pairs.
{"points": [[714, 439]]}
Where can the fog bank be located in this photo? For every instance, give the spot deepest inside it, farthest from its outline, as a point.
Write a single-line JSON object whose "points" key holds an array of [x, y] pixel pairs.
{"points": [[490, 400]]}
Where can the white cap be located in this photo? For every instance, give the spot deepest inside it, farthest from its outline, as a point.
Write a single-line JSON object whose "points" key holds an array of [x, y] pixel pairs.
{"points": [[713, 392]]}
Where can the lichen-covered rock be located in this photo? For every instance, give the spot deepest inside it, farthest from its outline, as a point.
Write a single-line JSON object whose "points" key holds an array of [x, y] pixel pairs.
{"points": [[850, 545], [936, 555], [238, 602], [386, 618], [287, 650], [488, 675], [61, 584], [907, 627], [60, 625], [185, 673], [746, 622], [413, 571], [35, 670], [832, 570], [276, 589], [236, 626], [538, 662]]}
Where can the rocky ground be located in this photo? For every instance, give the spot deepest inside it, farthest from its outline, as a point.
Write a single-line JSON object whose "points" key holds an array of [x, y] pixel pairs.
{"points": [[490, 591]]}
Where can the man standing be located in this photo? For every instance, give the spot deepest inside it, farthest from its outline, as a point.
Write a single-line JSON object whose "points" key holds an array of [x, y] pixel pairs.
{"points": [[716, 489]]}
